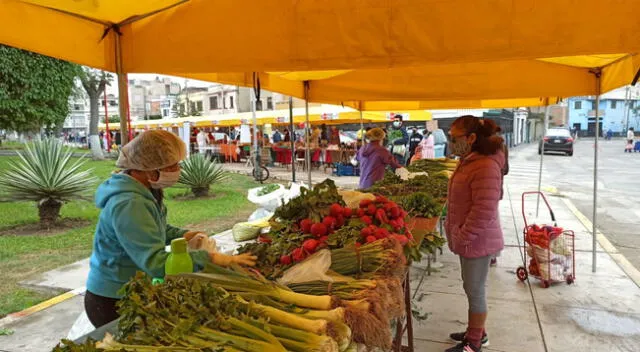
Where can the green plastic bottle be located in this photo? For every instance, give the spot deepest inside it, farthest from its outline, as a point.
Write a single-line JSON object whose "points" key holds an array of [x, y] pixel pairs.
{"points": [[179, 261]]}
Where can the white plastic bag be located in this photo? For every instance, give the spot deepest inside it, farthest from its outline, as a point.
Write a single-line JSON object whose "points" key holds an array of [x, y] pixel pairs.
{"points": [[261, 213], [269, 201], [295, 190], [313, 268], [403, 173], [81, 327]]}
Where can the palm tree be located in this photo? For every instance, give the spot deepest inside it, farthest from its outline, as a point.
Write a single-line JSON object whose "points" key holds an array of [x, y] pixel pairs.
{"points": [[46, 174], [199, 173]]}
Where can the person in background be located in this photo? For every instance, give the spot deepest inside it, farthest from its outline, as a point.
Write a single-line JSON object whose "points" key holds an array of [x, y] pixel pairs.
{"points": [[324, 134], [277, 137], [414, 140], [427, 146], [287, 136], [472, 225], [398, 139], [201, 140], [132, 229], [335, 136], [631, 136], [609, 135], [374, 158]]}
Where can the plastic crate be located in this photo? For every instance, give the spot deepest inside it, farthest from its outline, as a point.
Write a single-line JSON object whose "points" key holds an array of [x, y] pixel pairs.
{"points": [[343, 169]]}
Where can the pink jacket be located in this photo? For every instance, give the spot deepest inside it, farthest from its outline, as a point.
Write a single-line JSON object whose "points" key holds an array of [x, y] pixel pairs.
{"points": [[472, 225]]}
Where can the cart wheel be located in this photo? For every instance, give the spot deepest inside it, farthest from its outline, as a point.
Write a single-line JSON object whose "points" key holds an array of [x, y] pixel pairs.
{"points": [[570, 279], [521, 273], [545, 284]]}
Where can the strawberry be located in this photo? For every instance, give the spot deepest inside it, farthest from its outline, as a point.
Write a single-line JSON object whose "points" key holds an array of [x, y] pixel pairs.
{"points": [[330, 222], [402, 239], [366, 232], [365, 203], [371, 209], [382, 199], [388, 206], [381, 216], [371, 239], [298, 254], [358, 244], [347, 212], [264, 239], [335, 209], [310, 245], [305, 225], [319, 229], [367, 220], [285, 259], [360, 212], [395, 212], [381, 233], [323, 239], [340, 221]]}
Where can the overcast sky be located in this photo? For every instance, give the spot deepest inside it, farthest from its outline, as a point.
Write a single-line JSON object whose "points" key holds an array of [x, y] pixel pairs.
{"points": [[150, 76]]}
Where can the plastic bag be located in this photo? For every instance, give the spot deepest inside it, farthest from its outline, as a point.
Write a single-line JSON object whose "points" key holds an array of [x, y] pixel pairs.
{"points": [[81, 327], [313, 268], [202, 243], [550, 266], [352, 198], [269, 201], [261, 213], [295, 190]]}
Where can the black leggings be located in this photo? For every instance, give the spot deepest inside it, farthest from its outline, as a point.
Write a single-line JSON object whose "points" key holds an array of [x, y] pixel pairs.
{"points": [[100, 310]]}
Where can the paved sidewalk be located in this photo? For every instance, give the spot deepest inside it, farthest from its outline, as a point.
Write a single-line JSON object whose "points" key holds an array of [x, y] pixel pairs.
{"points": [[599, 312]]}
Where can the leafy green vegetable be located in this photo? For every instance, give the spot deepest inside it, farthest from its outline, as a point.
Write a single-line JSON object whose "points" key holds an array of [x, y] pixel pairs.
{"points": [[270, 188], [421, 204], [313, 204]]}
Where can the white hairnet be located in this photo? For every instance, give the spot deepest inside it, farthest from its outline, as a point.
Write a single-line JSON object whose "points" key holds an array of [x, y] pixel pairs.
{"points": [[375, 134], [152, 150]]}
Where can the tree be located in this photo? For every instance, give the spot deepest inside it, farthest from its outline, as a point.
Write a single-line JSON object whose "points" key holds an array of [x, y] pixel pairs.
{"points": [[94, 83], [34, 90]]}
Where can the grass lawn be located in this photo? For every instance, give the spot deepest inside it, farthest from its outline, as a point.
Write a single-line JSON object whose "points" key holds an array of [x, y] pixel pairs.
{"points": [[24, 255]]}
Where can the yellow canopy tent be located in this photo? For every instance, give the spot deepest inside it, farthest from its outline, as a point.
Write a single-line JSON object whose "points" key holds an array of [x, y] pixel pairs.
{"points": [[276, 36]]}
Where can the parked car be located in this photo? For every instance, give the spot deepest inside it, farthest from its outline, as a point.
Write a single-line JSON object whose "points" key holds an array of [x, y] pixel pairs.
{"points": [[557, 140]]}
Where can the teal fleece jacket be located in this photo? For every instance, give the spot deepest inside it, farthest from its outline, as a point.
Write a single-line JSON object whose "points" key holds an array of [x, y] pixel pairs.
{"points": [[131, 236]]}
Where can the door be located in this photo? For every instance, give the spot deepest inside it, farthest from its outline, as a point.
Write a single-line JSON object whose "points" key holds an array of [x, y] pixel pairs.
{"points": [[591, 129]]}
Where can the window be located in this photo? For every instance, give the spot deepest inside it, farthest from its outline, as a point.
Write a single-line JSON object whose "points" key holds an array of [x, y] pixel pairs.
{"points": [[577, 105], [259, 105], [113, 103], [213, 103], [224, 102], [614, 104], [167, 89], [269, 103], [199, 106], [76, 107], [593, 105], [230, 102]]}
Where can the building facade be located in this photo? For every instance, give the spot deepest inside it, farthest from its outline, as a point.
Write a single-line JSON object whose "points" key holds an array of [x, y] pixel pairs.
{"points": [[618, 110], [79, 112], [152, 99]]}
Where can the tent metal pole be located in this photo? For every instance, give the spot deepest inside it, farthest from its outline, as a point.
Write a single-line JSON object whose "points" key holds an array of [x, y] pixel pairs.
{"points": [[544, 133], [307, 131], [361, 125], [597, 73], [256, 156], [292, 140], [123, 92]]}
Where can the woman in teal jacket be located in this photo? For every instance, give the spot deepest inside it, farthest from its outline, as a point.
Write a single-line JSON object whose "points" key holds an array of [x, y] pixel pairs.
{"points": [[132, 229]]}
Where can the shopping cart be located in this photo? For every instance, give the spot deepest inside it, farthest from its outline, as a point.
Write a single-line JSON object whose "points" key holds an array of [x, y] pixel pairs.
{"points": [[551, 250]]}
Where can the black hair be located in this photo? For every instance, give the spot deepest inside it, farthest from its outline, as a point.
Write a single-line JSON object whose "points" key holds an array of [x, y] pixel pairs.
{"points": [[487, 141]]}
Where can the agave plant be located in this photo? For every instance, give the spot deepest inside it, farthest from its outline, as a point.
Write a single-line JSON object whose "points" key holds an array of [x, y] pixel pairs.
{"points": [[199, 173], [46, 174]]}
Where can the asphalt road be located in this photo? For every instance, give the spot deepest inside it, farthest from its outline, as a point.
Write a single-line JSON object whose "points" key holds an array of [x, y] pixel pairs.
{"points": [[618, 186]]}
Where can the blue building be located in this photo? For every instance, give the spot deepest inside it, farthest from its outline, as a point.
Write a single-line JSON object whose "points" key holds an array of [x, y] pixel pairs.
{"points": [[613, 114]]}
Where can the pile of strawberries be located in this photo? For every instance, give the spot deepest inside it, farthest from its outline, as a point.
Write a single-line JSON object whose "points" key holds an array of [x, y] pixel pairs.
{"points": [[383, 218], [338, 216], [377, 219]]}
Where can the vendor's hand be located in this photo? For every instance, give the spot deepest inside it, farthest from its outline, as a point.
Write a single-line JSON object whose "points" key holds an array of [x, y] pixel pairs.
{"points": [[227, 260], [190, 234], [196, 240]]}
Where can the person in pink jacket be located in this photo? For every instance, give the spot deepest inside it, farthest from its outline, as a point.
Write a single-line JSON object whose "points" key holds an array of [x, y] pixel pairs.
{"points": [[472, 225]]}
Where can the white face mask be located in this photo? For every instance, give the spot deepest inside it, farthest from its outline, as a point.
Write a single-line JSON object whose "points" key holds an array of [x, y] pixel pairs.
{"points": [[397, 124], [166, 179]]}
